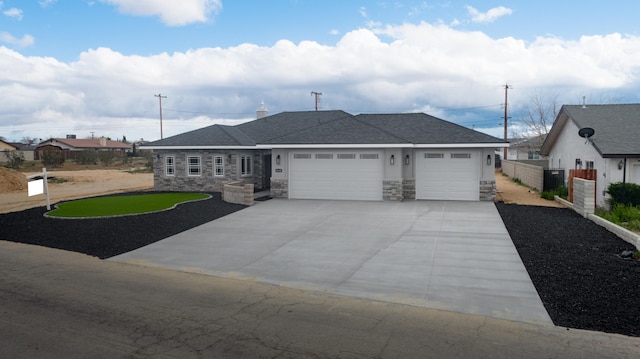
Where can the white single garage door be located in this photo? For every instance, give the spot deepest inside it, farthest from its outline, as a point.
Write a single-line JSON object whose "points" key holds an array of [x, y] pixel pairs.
{"points": [[341, 175], [448, 175]]}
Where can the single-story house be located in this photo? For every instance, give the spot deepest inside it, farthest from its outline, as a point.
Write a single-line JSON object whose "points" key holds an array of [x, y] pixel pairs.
{"points": [[613, 149], [333, 155], [6, 146], [72, 146], [525, 148]]}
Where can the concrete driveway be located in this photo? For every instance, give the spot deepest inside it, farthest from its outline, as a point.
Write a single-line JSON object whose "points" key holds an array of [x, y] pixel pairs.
{"points": [[454, 256]]}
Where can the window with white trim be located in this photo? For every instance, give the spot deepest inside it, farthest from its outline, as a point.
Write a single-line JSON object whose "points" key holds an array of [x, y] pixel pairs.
{"points": [[245, 165], [169, 166], [193, 166], [589, 165], [218, 166]]}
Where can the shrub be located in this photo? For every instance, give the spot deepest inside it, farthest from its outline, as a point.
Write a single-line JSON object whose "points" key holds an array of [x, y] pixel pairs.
{"points": [[106, 157], [87, 157], [622, 215], [562, 192], [52, 158], [627, 193], [15, 159]]}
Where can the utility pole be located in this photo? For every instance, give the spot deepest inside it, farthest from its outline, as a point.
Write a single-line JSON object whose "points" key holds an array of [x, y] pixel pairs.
{"points": [[317, 95], [506, 103], [160, 97]]}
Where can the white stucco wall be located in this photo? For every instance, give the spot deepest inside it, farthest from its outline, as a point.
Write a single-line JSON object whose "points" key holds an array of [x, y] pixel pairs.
{"points": [[569, 147]]}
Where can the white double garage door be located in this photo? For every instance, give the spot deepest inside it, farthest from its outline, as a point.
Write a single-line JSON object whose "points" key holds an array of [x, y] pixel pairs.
{"points": [[359, 175]]}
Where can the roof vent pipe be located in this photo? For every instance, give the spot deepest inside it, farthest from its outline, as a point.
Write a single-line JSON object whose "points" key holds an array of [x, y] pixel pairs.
{"points": [[261, 112], [584, 102]]}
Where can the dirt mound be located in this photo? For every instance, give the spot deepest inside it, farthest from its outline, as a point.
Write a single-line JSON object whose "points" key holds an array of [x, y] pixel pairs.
{"points": [[11, 180]]}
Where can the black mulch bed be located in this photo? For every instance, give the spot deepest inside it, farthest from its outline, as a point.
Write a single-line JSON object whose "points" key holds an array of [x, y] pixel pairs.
{"points": [[574, 263], [577, 269], [109, 237]]}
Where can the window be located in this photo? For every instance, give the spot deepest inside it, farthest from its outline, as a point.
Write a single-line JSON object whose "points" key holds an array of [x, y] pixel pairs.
{"points": [[533, 156], [434, 155], [302, 156], [346, 156], [218, 166], [460, 155], [588, 165], [193, 166], [369, 156], [324, 156], [169, 166], [245, 165]]}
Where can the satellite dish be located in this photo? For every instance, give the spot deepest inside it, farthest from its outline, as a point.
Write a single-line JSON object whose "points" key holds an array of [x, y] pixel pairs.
{"points": [[586, 132]]}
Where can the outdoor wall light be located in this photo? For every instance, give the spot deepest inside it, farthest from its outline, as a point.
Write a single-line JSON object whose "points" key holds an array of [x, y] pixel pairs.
{"points": [[392, 160], [489, 159], [406, 160], [620, 164], [278, 159]]}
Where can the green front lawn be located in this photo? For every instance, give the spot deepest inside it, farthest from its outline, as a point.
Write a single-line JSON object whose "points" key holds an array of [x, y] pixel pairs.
{"points": [[123, 205]]}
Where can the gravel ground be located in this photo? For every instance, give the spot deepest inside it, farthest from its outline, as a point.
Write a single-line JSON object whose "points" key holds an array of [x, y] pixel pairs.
{"points": [[574, 263], [577, 269]]}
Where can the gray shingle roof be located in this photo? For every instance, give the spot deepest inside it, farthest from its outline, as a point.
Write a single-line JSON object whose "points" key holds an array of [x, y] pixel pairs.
{"points": [[617, 127], [214, 135], [420, 128], [331, 127]]}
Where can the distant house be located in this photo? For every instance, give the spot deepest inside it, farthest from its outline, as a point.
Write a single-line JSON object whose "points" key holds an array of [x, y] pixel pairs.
{"points": [[5, 146], [613, 150], [526, 148], [333, 155], [71, 147]]}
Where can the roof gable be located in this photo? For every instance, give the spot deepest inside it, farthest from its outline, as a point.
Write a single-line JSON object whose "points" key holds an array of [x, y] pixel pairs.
{"points": [[616, 128]]}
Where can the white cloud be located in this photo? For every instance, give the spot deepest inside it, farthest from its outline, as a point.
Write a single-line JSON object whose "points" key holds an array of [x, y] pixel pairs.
{"points": [[411, 67], [14, 13], [25, 41], [172, 13], [46, 3], [489, 16]]}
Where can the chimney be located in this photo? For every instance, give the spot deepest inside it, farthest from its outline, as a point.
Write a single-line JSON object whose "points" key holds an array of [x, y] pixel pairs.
{"points": [[103, 141], [261, 112]]}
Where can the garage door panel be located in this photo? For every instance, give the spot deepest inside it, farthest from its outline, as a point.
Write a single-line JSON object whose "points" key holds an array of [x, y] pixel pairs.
{"points": [[448, 175], [339, 176]]}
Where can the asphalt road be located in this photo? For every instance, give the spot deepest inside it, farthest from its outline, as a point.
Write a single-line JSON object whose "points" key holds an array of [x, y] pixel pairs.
{"points": [[58, 304]]}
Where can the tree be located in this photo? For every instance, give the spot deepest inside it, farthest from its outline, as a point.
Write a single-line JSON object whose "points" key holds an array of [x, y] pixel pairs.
{"points": [[541, 113], [28, 140]]}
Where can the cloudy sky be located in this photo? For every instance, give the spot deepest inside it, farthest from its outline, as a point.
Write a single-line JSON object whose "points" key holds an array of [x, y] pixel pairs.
{"points": [[92, 67]]}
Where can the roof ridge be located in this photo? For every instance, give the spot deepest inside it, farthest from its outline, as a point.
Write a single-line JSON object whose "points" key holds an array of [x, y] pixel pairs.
{"points": [[318, 124], [381, 129], [224, 128]]}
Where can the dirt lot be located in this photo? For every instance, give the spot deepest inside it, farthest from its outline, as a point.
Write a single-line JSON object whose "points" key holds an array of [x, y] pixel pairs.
{"points": [[86, 183], [79, 184]]}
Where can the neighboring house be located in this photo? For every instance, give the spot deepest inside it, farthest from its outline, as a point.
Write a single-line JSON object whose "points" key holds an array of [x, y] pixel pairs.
{"points": [[525, 149], [613, 150], [6, 146], [72, 146], [333, 155]]}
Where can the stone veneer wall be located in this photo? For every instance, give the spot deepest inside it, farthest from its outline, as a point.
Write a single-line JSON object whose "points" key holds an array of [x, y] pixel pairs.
{"points": [[409, 189], [392, 190], [239, 193], [206, 182], [279, 188], [487, 190]]}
